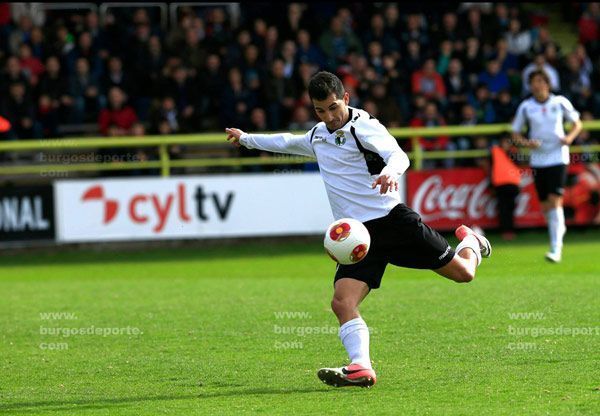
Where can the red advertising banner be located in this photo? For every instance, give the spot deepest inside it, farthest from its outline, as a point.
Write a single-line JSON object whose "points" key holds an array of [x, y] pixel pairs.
{"points": [[446, 198]]}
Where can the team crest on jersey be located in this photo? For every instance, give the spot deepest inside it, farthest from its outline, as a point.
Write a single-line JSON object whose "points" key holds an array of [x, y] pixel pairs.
{"points": [[340, 139]]}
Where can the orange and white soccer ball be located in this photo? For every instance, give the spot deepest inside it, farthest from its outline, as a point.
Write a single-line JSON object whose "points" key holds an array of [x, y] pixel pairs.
{"points": [[347, 241]]}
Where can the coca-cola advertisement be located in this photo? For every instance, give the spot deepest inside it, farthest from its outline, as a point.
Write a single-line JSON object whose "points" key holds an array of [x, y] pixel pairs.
{"points": [[446, 198]]}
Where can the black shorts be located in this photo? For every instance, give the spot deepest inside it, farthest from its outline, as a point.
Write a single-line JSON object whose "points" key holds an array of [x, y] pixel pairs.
{"points": [[550, 180], [399, 238]]}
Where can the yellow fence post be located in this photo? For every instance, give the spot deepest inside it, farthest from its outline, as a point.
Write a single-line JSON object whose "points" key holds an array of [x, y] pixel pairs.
{"points": [[165, 167], [417, 152]]}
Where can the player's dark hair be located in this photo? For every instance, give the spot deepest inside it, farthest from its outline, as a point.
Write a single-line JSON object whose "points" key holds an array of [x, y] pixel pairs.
{"points": [[539, 73], [324, 83]]}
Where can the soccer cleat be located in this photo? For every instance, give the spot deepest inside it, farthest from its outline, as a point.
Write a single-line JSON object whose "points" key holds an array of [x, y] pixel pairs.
{"points": [[553, 256], [485, 246], [352, 375]]}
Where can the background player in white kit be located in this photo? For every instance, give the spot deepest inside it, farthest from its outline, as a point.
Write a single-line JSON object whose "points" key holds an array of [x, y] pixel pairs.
{"points": [[545, 113], [356, 154]]}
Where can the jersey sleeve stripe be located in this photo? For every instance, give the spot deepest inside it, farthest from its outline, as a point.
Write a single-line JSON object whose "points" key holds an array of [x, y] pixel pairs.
{"points": [[374, 162]]}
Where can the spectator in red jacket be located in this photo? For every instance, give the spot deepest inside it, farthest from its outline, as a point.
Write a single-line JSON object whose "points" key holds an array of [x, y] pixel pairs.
{"points": [[118, 118], [30, 65], [430, 117], [428, 82], [588, 24]]}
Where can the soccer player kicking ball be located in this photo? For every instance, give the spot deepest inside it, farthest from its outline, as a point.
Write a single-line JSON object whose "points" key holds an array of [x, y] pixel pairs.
{"points": [[544, 113], [356, 154]]}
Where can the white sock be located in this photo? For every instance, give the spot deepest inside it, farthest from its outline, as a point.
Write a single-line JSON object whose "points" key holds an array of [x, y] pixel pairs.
{"points": [[355, 337], [556, 228], [470, 242]]}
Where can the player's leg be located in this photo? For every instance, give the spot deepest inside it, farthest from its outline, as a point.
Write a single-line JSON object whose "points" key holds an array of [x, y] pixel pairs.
{"points": [[555, 217], [461, 268], [551, 188], [414, 244], [354, 333], [467, 256], [348, 294]]}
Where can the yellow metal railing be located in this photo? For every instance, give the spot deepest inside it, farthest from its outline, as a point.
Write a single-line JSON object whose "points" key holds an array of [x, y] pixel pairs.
{"points": [[165, 163]]}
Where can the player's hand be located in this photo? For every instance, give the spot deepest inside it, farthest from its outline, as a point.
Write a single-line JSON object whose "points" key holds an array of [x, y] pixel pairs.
{"points": [[566, 140], [387, 182], [534, 143], [234, 135]]}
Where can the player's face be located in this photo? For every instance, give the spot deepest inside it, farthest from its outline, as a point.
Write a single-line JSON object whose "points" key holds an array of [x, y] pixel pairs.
{"points": [[539, 88], [333, 111]]}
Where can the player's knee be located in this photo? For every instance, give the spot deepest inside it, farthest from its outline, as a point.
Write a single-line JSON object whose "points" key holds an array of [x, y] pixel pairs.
{"points": [[341, 306], [463, 275]]}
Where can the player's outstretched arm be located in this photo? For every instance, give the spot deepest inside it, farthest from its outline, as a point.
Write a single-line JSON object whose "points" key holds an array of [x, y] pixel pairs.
{"points": [[277, 143]]}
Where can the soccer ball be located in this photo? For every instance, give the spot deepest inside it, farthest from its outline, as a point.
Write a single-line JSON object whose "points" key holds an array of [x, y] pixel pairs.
{"points": [[347, 241]]}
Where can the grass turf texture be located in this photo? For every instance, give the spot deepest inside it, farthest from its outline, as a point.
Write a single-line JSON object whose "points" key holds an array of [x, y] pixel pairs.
{"points": [[214, 342]]}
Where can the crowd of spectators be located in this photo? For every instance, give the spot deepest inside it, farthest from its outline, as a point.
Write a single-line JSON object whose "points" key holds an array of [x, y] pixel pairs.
{"points": [[417, 65]]}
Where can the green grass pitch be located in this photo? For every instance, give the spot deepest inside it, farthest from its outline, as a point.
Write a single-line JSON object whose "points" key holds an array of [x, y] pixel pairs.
{"points": [[242, 329]]}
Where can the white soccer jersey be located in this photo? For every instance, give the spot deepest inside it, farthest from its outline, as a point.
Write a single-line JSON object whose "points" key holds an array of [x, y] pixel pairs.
{"points": [[546, 125], [349, 159]]}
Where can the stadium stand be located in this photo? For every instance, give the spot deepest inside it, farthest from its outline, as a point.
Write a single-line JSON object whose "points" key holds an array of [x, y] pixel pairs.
{"points": [[127, 71]]}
